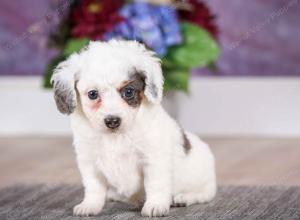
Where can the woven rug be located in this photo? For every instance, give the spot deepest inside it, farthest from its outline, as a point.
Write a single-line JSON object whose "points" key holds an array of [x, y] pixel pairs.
{"points": [[232, 202]]}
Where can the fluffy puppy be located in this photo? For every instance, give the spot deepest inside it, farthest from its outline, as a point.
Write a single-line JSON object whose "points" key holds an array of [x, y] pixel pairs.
{"points": [[128, 148]]}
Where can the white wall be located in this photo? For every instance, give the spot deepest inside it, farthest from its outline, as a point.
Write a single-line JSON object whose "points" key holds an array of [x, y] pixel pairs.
{"points": [[215, 106], [243, 106], [26, 108]]}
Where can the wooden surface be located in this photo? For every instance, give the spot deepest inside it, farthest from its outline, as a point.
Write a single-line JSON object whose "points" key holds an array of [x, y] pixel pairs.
{"points": [[240, 161]]}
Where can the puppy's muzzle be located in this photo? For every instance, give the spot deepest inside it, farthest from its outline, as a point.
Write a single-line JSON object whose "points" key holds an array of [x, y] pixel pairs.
{"points": [[112, 122]]}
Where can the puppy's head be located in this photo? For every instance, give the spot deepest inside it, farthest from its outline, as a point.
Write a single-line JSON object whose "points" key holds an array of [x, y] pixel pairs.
{"points": [[108, 82]]}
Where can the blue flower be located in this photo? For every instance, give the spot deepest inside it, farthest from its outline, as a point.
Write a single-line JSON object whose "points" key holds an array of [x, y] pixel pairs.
{"points": [[155, 26]]}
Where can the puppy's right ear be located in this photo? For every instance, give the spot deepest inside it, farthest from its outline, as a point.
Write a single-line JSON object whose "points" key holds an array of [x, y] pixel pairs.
{"points": [[63, 80]]}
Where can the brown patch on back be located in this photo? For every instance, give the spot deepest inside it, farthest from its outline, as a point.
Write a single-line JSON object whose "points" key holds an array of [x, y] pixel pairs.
{"points": [[186, 143]]}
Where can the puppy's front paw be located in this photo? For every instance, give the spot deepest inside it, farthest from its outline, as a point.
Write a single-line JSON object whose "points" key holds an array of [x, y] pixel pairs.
{"points": [[155, 209], [87, 208]]}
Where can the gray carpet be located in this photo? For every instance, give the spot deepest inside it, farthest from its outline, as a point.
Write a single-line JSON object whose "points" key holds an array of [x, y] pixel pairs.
{"points": [[56, 202]]}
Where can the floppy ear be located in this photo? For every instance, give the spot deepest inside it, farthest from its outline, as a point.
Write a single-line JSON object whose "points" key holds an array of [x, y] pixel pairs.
{"points": [[63, 80], [151, 69]]}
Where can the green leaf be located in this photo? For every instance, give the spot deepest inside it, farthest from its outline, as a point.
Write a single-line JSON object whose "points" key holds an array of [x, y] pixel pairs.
{"points": [[176, 79], [199, 49], [49, 71], [75, 45]]}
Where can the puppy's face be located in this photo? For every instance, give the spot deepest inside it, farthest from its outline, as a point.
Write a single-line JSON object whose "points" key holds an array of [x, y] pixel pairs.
{"points": [[108, 83], [111, 103]]}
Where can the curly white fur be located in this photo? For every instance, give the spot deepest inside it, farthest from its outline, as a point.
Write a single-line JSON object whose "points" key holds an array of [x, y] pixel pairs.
{"points": [[144, 161]]}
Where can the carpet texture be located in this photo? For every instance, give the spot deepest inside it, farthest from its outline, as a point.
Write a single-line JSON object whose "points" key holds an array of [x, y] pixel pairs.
{"points": [[56, 202]]}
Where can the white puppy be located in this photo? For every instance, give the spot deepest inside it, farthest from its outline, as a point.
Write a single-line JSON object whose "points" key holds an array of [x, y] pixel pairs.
{"points": [[128, 148]]}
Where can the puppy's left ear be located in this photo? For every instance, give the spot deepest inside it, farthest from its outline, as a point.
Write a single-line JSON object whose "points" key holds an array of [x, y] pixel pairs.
{"points": [[63, 80], [151, 68]]}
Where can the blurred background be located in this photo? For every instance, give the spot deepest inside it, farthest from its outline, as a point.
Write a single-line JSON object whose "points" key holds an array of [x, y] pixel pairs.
{"points": [[232, 73]]}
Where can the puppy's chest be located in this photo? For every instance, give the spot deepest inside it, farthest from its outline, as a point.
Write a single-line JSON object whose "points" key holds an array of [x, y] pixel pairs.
{"points": [[120, 163]]}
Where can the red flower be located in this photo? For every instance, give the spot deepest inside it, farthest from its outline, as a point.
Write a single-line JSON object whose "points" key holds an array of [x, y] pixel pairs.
{"points": [[93, 18], [200, 15]]}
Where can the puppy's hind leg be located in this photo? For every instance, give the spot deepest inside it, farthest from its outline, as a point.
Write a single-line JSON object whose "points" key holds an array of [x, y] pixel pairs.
{"points": [[186, 199]]}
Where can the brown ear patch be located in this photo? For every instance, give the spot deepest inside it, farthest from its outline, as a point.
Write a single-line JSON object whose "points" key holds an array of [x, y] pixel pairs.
{"points": [[136, 84], [186, 143]]}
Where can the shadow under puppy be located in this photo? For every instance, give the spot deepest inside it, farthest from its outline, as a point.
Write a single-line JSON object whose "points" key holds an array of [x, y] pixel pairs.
{"points": [[128, 148]]}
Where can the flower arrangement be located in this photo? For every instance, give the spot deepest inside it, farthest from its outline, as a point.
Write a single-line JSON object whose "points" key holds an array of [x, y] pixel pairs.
{"points": [[182, 33]]}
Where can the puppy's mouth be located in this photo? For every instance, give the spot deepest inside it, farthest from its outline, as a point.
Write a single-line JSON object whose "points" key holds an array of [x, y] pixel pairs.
{"points": [[116, 130], [113, 130]]}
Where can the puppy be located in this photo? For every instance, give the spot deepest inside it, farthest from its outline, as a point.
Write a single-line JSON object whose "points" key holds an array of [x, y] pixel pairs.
{"points": [[128, 148]]}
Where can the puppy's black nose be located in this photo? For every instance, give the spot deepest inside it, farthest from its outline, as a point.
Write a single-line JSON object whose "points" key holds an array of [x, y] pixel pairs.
{"points": [[112, 121]]}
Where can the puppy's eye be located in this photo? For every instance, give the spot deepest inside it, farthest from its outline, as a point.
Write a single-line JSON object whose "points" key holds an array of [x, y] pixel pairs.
{"points": [[93, 94], [128, 93]]}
